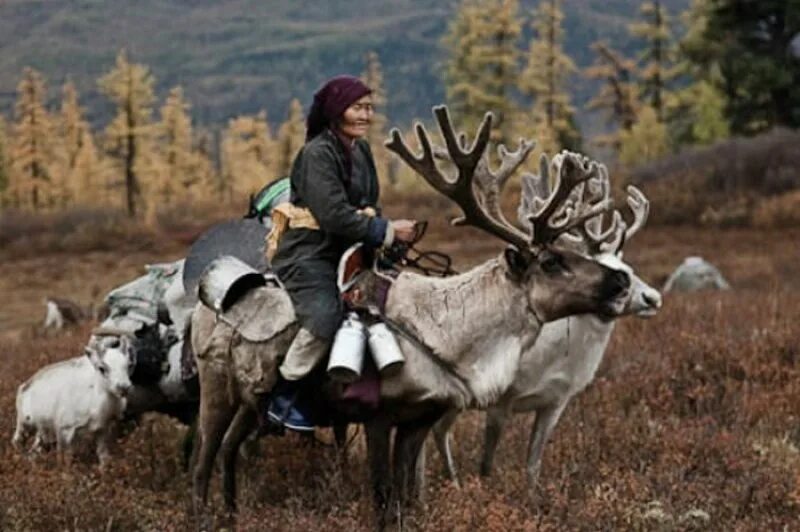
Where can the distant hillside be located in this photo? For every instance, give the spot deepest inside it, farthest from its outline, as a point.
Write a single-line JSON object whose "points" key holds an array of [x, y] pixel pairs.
{"points": [[240, 56]]}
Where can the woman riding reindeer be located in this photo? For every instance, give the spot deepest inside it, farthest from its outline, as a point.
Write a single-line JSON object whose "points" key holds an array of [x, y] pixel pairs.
{"points": [[334, 204]]}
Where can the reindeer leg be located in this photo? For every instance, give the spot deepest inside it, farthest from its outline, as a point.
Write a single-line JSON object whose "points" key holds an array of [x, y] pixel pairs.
{"points": [[215, 417], [340, 436], [546, 420], [190, 447], [377, 432], [408, 443], [65, 437], [496, 419], [242, 425], [20, 436], [442, 436], [420, 482], [104, 439]]}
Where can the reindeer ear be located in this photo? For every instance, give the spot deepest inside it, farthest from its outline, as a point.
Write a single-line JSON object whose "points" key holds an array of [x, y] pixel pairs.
{"points": [[517, 263]]}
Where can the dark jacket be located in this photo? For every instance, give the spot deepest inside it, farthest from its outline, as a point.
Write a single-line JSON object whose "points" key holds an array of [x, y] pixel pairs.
{"points": [[334, 185]]}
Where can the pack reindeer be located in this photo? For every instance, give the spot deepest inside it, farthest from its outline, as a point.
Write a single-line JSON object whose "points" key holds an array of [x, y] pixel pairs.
{"points": [[564, 358], [465, 334]]}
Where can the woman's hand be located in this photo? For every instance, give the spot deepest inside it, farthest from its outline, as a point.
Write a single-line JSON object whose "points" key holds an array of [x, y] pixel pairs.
{"points": [[404, 230]]}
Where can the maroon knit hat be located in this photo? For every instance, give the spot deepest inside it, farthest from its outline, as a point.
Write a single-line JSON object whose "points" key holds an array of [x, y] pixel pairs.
{"points": [[331, 100]]}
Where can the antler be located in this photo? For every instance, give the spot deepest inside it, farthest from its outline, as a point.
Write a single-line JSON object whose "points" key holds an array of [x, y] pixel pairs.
{"points": [[462, 189], [571, 170], [587, 234], [640, 206], [488, 184]]}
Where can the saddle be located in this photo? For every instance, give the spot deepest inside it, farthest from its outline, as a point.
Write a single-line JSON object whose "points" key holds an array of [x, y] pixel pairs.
{"points": [[365, 276], [364, 285]]}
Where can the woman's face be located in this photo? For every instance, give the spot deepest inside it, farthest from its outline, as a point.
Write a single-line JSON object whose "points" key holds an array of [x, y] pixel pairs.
{"points": [[356, 118]]}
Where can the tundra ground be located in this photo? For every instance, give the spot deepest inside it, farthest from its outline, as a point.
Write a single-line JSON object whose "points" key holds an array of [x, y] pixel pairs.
{"points": [[691, 424]]}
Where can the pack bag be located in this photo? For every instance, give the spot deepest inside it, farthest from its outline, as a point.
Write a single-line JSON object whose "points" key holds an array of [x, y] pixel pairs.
{"points": [[273, 193]]}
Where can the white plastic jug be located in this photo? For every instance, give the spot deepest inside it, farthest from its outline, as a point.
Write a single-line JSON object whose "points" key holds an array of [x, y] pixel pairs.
{"points": [[385, 350], [347, 354]]}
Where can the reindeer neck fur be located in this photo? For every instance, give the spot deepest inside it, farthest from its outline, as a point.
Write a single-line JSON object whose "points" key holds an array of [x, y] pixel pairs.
{"points": [[475, 322], [561, 363]]}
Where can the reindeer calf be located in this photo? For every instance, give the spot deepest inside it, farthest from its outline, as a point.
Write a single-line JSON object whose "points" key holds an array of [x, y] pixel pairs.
{"points": [[82, 396]]}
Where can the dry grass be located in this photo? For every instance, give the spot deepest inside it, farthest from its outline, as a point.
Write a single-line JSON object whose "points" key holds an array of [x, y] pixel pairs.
{"points": [[691, 424], [737, 182]]}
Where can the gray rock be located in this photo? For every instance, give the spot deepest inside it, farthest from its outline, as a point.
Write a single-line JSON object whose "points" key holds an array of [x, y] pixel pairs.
{"points": [[695, 274]]}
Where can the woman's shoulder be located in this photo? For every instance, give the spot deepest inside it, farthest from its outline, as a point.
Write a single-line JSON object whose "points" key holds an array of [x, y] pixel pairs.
{"points": [[325, 141]]}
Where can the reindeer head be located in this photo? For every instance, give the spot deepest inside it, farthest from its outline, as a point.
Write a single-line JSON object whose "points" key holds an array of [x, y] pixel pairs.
{"points": [[111, 357], [556, 281], [590, 238]]}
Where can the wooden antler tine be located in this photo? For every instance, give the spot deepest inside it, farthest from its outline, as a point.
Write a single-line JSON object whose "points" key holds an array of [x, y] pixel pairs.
{"points": [[640, 206]]}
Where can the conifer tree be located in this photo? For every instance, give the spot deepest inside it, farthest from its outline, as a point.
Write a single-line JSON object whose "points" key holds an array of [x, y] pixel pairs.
{"points": [[748, 51], [618, 95], [646, 140], [708, 114], [291, 137], [482, 67], [246, 150], [657, 70], [545, 78], [208, 186], [180, 165], [4, 166], [373, 78], [80, 163], [128, 136], [31, 152]]}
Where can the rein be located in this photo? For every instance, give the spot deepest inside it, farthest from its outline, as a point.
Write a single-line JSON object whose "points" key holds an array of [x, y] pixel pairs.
{"points": [[429, 263]]}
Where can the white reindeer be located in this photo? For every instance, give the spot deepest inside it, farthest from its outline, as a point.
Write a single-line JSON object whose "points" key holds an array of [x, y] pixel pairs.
{"points": [[564, 358], [81, 397]]}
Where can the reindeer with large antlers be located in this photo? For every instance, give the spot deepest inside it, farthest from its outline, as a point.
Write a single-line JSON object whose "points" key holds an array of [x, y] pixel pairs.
{"points": [[465, 334], [564, 358]]}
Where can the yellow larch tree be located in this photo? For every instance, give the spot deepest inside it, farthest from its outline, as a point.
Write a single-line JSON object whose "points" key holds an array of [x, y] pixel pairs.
{"points": [[4, 166], [646, 140], [128, 138], [207, 188], [178, 169], [657, 69], [482, 67], [246, 151], [291, 137], [31, 180], [545, 79], [618, 96], [79, 160], [373, 78]]}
